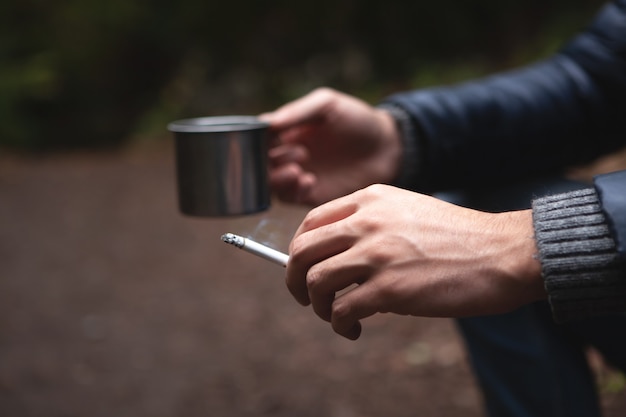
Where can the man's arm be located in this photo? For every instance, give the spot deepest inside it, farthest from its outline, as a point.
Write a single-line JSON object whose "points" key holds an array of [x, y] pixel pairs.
{"points": [[536, 120]]}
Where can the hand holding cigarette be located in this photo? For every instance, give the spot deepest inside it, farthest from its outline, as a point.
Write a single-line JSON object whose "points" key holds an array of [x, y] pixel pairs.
{"points": [[360, 255]]}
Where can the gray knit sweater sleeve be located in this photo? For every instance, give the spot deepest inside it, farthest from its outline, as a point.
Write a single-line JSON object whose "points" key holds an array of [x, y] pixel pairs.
{"points": [[578, 257]]}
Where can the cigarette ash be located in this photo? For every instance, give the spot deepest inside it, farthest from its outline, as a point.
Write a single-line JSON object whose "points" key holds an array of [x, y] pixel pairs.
{"points": [[233, 240]]}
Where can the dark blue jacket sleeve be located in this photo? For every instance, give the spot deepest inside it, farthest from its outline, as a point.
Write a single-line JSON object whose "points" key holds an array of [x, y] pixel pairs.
{"points": [[533, 121], [536, 120], [611, 189]]}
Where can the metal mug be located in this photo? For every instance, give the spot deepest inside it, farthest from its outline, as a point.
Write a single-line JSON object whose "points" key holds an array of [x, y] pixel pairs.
{"points": [[221, 165]]}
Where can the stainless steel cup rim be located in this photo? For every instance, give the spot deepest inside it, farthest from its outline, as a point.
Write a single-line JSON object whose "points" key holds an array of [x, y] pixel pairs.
{"points": [[216, 124]]}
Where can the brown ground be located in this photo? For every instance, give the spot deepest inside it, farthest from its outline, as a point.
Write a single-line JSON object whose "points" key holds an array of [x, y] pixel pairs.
{"points": [[113, 304]]}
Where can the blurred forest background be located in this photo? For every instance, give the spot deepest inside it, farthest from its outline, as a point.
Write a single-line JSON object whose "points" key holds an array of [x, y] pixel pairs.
{"points": [[91, 73], [112, 303]]}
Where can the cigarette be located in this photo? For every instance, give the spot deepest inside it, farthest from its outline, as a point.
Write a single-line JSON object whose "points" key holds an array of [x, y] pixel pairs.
{"points": [[256, 248]]}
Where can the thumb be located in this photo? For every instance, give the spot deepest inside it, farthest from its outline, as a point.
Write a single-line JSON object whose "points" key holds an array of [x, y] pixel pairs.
{"points": [[303, 110]]}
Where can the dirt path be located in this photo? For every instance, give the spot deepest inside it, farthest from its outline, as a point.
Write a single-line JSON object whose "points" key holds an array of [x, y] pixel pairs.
{"points": [[112, 304]]}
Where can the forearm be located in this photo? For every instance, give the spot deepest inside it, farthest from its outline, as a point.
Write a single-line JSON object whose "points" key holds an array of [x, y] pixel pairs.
{"points": [[530, 122], [535, 120]]}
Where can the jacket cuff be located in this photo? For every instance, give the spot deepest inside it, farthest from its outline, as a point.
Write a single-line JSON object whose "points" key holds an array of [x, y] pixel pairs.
{"points": [[411, 154], [578, 256]]}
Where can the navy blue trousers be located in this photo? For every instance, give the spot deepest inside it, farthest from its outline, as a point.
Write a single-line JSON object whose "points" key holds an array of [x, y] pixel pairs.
{"points": [[525, 364]]}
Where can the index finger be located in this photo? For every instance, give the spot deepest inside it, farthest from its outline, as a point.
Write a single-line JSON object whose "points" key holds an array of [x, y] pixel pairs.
{"points": [[316, 239], [327, 213]]}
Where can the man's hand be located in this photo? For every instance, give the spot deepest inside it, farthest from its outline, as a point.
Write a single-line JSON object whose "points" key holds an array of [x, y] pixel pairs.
{"points": [[330, 144], [410, 254]]}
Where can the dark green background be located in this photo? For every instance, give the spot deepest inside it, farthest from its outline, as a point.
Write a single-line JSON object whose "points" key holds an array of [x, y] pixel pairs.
{"points": [[93, 73]]}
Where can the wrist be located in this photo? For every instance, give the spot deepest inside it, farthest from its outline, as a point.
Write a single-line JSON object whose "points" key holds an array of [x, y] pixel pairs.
{"points": [[521, 261], [409, 137], [391, 146]]}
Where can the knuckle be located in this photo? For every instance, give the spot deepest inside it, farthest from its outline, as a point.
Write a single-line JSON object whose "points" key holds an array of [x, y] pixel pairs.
{"points": [[375, 190], [379, 257], [325, 92], [341, 311], [296, 249], [382, 250], [370, 193], [363, 225], [312, 220], [314, 279]]}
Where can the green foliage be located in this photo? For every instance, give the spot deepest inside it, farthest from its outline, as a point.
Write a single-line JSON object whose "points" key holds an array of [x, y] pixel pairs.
{"points": [[84, 73], [613, 383]]}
